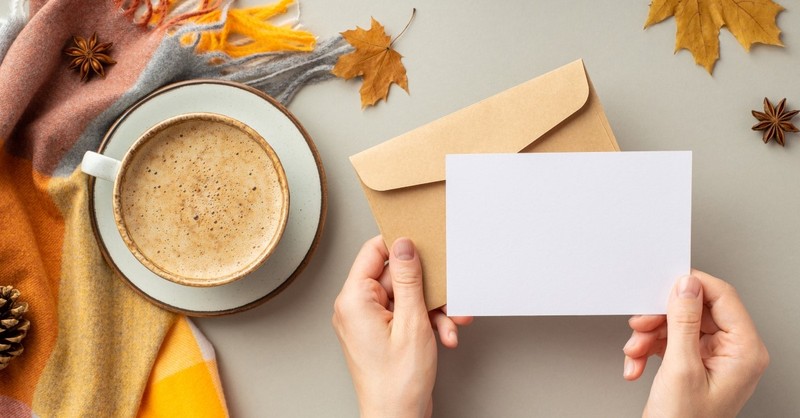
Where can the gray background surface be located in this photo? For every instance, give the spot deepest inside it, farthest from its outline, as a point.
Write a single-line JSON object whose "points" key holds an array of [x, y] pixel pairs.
{"points": [[282, 359]]}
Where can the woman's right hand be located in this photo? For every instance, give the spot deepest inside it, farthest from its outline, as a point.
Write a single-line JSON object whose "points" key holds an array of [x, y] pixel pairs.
{"points": [[713, 356]]}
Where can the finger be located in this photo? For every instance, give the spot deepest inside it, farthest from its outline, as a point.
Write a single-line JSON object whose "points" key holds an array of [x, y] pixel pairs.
{"points": [[641, 343], [657, 348], [727, 310], [360, 295], [459, 320], [447, 329], [370, 260], [462, 320], [707, 324], [406, 272], [359, 288], [709, 344], [385, 280], [385, 284], [684, 314], [646, 323], [633, 367]]}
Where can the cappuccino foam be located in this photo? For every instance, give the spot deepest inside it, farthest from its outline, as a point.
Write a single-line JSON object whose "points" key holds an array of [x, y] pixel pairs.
{"points": [[201, 199]]}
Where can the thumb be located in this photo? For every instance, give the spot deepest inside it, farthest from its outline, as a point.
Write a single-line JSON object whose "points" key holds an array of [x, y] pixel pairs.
{"points": [[406, 272], [684, 314]]}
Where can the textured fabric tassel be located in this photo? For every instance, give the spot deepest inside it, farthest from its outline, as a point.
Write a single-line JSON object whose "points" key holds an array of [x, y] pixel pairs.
{"points": [[247, 32], [164, 13]]}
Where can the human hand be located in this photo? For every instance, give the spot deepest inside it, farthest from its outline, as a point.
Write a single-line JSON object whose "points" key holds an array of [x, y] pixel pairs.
{"points": [[386, 332], [713, 356]]}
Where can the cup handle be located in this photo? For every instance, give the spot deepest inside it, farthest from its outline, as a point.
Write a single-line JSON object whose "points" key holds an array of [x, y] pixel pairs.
{"points": [[100, 166]]}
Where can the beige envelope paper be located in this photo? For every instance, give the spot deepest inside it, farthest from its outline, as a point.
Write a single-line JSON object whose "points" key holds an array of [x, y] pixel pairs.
{"points": [[404, 178]]}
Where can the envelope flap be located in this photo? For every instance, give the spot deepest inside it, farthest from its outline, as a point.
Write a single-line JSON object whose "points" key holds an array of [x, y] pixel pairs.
{"points": [[504, 123]]}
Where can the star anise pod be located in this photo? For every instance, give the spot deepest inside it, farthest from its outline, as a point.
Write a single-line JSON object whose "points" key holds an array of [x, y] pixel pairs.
{"points": [[775, 121], [89, 56]]}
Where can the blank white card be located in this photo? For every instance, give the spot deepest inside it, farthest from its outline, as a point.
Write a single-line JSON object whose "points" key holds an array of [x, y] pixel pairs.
{"points": [[567, 233]]}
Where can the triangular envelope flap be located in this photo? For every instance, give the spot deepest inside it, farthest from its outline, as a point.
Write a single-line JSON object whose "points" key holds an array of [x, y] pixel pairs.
{"points": [[504, 123]]}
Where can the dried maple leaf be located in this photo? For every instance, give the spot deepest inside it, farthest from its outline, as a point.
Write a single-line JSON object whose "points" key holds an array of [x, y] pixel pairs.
{"points": [[374, 60], [699, 21]]}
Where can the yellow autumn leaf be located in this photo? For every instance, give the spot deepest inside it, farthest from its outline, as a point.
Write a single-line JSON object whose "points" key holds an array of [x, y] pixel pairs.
{"points": [[699, 22], [374, 61]]}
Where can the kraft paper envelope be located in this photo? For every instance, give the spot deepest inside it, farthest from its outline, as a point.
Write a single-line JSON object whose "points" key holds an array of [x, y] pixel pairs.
{"points": [[403, 178]]}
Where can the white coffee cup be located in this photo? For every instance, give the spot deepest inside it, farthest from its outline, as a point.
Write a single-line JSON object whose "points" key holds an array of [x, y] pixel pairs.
{"points": [[200, 199]]}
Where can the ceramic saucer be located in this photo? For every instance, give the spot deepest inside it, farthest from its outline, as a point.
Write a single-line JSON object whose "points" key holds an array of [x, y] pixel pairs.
{"points": [[304, 172]]}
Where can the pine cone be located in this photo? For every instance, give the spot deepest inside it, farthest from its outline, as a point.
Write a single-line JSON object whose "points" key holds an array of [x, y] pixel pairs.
{"points": [[13, 327]]}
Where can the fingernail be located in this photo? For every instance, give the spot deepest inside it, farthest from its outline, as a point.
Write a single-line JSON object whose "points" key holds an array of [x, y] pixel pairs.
{"points": [[629, 366], [453, 337], [403, 249], [628, 344], [689, 287]]}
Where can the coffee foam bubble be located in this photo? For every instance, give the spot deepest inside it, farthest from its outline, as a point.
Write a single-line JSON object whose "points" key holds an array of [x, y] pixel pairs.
{"points": [[201, 200]]}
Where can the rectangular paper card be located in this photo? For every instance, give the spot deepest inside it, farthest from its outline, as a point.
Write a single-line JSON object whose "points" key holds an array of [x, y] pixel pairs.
{"points": [[603, 233]]}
